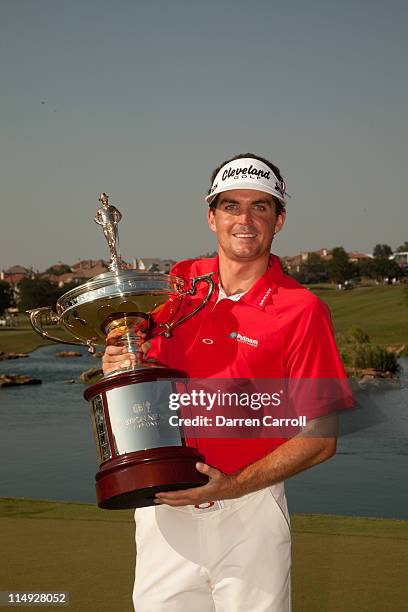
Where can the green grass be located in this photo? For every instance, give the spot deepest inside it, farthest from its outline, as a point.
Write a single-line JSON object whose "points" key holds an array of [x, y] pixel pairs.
{"points": [[51, 546], [25, 340], [340, 564], [379, 311], [12, 507]]}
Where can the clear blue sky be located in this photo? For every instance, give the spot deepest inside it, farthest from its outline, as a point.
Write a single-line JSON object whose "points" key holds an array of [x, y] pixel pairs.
{"points": [[142, 100]]}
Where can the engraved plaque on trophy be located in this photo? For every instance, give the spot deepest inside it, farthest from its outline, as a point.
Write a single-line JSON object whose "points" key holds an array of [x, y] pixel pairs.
{"points": [[139, 452]]}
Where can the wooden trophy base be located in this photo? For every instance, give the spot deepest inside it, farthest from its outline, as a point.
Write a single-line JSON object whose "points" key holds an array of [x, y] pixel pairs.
{"points": [[133, 480], [130, 478]]}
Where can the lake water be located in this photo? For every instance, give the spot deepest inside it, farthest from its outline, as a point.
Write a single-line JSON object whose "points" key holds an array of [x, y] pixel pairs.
{"points": [[47, 448]]}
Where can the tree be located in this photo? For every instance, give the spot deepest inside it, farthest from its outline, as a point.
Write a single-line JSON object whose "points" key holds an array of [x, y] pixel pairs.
{"points": [[385, 268], [366, 267], [339, 268], [6, 296], [382, 251], [58, 269], [382, 266], [36, 292], [403, 248], [284, 266], [313, 270]]}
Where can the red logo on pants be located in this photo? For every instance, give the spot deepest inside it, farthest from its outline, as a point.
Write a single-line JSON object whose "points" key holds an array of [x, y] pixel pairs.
{"points": [[204, 505]]}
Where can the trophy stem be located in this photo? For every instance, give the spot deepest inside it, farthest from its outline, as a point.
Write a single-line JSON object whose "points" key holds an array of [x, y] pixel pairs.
{"points": [[134, 327], [131, 341]]}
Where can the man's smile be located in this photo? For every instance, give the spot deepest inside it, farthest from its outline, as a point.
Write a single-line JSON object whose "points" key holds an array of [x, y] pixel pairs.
{"points": [[244, 234]]}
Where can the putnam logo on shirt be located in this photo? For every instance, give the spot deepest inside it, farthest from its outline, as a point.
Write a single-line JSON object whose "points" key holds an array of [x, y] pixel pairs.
{"points": [[244, 339]]}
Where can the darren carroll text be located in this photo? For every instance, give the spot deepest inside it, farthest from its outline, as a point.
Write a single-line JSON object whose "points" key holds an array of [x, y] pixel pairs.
{"points": [[222, 421]]}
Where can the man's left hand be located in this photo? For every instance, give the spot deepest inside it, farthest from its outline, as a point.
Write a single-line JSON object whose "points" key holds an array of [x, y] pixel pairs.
{"points": [[219, 486]]}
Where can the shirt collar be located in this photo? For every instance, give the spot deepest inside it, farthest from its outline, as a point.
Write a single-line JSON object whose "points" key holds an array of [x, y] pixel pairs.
{"points": [[235, 297], [261, 292]]}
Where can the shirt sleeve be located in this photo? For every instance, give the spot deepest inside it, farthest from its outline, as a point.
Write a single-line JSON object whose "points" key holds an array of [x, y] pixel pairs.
{"points": [[316, 380]]}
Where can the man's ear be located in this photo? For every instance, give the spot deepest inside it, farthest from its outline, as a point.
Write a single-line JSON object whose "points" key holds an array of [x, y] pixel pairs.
{"points": [[280, 221], [211, 220]]}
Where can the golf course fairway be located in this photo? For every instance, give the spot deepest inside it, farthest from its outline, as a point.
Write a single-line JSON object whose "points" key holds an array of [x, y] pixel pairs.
{"points": [[340, 564]]}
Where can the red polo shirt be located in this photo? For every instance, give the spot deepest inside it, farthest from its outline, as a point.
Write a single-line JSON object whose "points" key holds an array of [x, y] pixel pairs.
{"points": [[286, 332]]}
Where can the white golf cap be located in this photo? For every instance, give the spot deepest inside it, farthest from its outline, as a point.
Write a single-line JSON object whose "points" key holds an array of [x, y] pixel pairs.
{"points": [[247, 173]]}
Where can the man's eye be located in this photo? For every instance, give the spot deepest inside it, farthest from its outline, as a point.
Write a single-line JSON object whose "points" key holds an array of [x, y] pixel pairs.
{"points": [[230, 206], [260, 207]]}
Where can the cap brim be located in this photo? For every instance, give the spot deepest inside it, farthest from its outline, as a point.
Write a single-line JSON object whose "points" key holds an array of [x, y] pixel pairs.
{"points": [[253, 187]]}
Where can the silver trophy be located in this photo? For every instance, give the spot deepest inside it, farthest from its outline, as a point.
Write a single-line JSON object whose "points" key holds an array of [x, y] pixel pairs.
{"points": [[140, 453]]}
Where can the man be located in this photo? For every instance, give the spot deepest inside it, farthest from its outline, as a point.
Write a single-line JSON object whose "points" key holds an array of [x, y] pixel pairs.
{"points": [[225, 546]]}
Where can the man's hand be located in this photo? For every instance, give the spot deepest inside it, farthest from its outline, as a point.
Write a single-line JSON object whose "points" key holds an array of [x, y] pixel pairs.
{"points": [[219, 486], [297, 454], [117, 356]]}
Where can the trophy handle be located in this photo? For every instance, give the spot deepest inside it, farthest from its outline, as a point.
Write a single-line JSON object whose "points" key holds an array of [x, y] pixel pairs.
{"points": [[207, 278], [35, 319]]}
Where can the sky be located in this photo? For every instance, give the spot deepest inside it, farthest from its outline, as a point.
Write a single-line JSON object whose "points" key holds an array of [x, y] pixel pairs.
{"points": [[143, 100]]}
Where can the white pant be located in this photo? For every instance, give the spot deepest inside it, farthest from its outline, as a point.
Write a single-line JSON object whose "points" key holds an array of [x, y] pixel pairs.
{"points": [[234, 556]]}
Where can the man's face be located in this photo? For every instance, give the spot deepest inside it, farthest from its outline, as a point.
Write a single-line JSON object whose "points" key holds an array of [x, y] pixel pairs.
{"points": [[245, 222]]}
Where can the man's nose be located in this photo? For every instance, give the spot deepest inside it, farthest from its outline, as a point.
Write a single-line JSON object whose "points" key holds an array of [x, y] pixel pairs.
{"points": [[245, 216]]}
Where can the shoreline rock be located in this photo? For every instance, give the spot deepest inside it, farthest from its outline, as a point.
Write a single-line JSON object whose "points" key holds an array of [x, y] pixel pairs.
{"points": [[369, 373], [14, 380], [368, 378], [68, 354], [12, 355], [397, 350], [91, 375]]}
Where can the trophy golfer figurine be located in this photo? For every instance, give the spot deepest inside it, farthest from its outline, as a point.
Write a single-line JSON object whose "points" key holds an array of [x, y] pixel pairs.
{"points": [[108, 217], [140, 453]]}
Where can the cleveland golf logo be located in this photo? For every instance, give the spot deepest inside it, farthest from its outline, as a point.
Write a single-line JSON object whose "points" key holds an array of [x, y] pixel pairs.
{"points": [[251, 172], [244, 339]]}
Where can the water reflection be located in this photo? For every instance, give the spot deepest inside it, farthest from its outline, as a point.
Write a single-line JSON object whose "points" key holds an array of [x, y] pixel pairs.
{"points": [[47, 447], [46, 441]]}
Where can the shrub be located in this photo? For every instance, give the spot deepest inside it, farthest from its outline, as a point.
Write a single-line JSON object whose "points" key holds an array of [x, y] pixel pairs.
{"points": [[375, 357], [358, 335], [358, 352]]}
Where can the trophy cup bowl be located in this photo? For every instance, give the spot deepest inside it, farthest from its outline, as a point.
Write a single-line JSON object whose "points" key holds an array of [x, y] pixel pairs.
{"points": [[139, 452]]}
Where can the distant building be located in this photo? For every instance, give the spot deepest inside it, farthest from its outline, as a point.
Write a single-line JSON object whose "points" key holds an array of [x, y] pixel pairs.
{"points": [[84, 270], [356, 257], [401, 258], [15, 274], [60, 265], [294, 262], [324, 253], [90, 264], [79, 273], [153, 265]]}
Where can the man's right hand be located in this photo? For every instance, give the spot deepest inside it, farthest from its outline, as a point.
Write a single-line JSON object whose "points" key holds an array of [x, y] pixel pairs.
{"points": [[117, 357]]}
